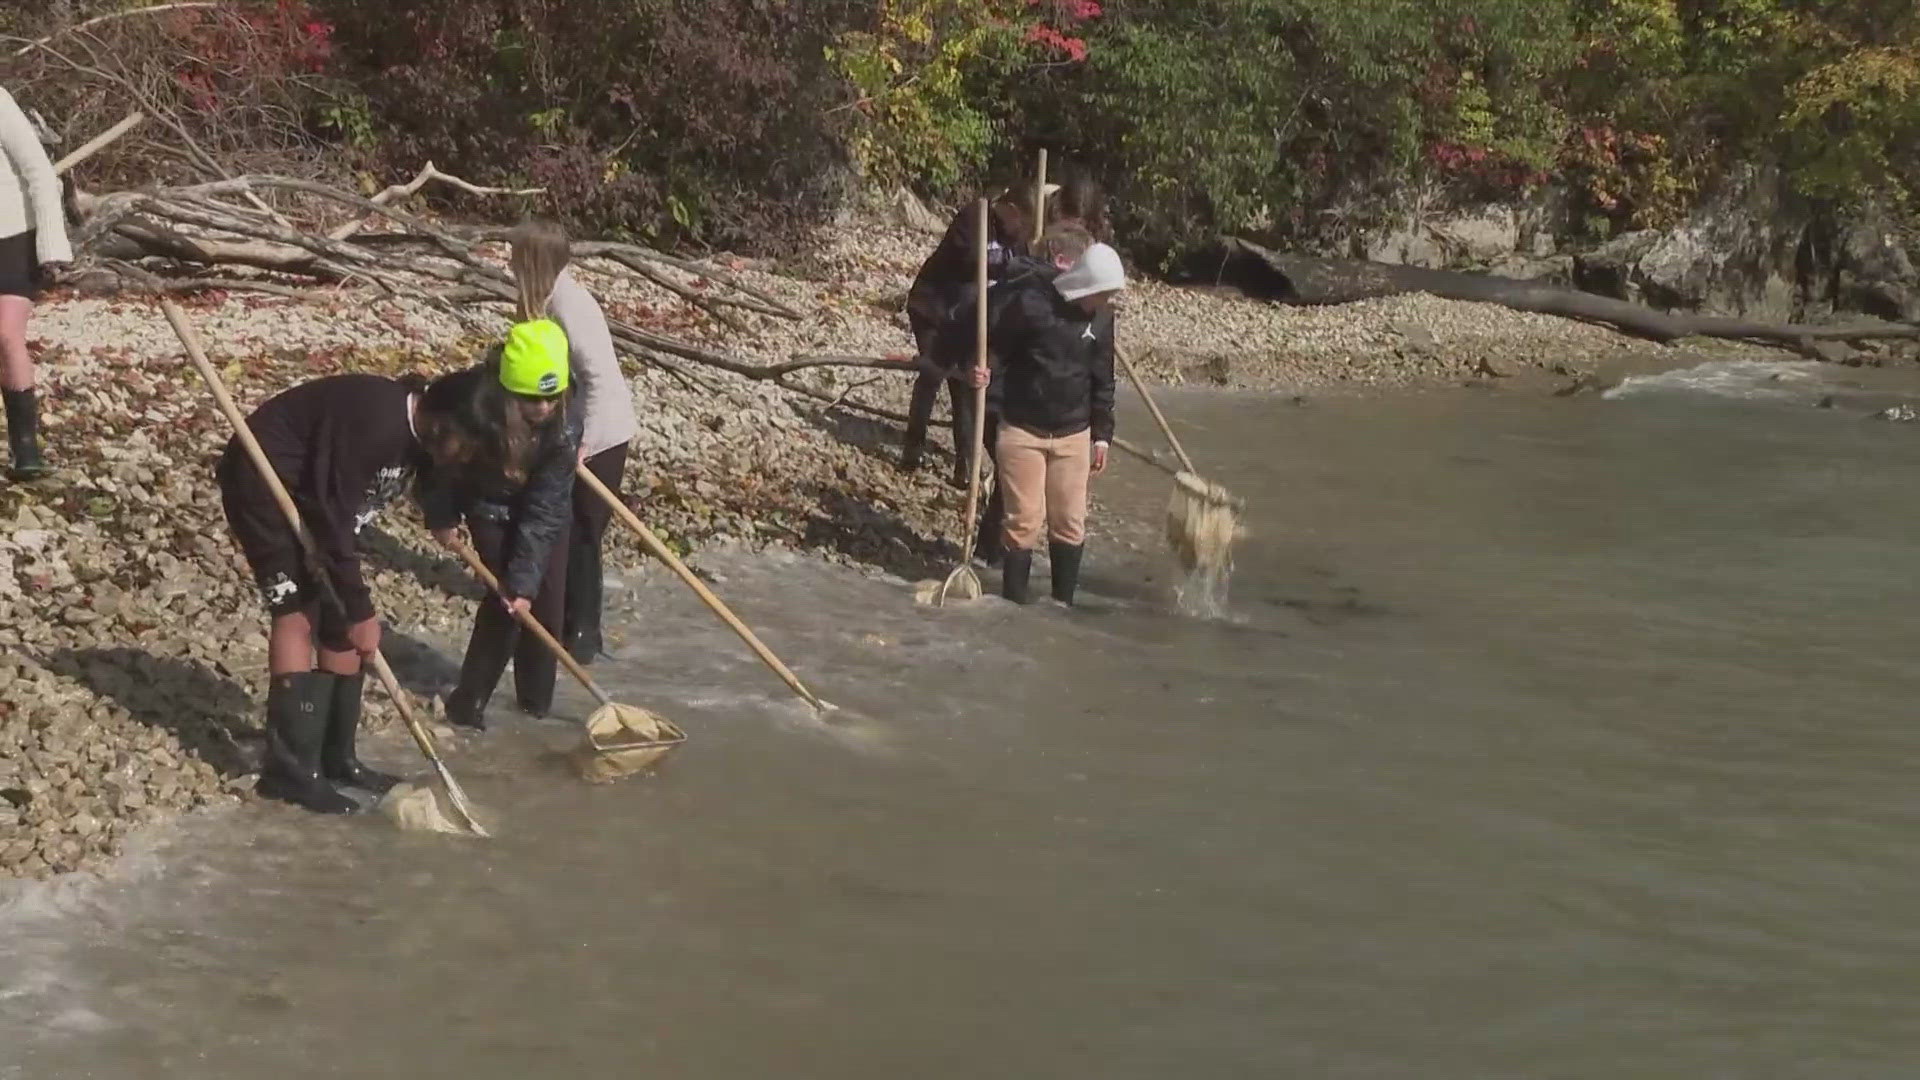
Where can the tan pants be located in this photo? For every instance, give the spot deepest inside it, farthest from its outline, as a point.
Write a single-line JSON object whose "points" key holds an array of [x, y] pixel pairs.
{"points": [[1045, 483]]}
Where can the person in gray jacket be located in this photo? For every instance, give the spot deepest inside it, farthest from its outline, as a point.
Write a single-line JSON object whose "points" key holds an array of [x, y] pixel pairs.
{"points": [[606, 401], [33, 242]]}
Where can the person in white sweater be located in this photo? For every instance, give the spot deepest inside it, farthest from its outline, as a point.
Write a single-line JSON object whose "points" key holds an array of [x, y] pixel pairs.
{"points": [[607, 402], [33, 242]]}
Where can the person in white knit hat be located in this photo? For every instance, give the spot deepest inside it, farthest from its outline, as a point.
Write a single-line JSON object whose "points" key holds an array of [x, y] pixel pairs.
{"points": [[33, 242], [1056, 415]]}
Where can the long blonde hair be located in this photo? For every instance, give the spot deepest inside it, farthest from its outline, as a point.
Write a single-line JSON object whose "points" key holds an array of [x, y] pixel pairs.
{"points": [[539, 251]]}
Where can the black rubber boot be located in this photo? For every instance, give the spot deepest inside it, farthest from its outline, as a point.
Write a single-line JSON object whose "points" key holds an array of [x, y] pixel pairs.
{"points": [[990, 541], [488, 650], [535, 670], [297, 709], [1066, 569], [926, 393], [586, 587], [23, 435], [338, 760], [467, 710], [1016, 569]]}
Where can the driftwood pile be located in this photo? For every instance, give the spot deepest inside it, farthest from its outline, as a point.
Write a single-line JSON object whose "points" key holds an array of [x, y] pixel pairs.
{"points": [[303, 238]]}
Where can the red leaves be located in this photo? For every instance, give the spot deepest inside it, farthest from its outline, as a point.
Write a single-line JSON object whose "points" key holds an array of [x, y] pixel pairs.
{"points": [[1074, 48], [1483, 166], [1056, 16]]}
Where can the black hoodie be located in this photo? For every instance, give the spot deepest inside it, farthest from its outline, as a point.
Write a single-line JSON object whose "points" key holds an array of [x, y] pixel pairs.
{"points": [[1052, 362], [344, 447]]}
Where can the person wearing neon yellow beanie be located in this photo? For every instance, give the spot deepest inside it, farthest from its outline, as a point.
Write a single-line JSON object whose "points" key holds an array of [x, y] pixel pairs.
{"points": [[517, 509]]}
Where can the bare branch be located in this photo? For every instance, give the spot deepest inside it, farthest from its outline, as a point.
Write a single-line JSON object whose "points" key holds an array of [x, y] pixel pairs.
{"points": [[412, 187], [109, 17]]}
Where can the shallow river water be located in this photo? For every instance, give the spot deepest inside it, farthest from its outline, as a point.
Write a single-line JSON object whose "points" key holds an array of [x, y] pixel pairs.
{"points": [[1546, 738]]}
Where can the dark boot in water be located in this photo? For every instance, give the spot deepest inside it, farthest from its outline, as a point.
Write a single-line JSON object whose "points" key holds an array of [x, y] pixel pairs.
{"points": [[1016, 570], [466, 710], [586, 587], [1066, 569], [338, 760], [23, 435], [297, 707]]}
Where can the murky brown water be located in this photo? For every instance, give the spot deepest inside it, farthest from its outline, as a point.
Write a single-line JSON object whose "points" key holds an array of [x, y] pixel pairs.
{"points": [[1550, 739]]}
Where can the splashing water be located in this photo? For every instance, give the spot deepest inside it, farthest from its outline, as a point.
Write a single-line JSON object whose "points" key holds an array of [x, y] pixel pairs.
{"points": [[1203, 521]]}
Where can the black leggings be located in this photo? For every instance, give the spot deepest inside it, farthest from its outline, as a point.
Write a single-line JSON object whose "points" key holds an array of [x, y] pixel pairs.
{"points": [[497, 637], [591, 514], [926, 393]]}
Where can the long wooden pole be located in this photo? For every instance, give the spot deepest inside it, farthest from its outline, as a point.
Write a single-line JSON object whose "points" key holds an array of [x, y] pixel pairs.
{"points": [[665, 554], [969, 525], [1154, 408], [533, 625], [99, 142], [1040, 198]]}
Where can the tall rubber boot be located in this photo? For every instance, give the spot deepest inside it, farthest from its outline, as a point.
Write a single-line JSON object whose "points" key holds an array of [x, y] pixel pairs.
{"points": [[23, 435], [926, 393], [989, 543], [338, 760], [297, 708], [586, 590], [1016, 570], [467, 709], [535, 670], [1066, 569], [488, 650]]}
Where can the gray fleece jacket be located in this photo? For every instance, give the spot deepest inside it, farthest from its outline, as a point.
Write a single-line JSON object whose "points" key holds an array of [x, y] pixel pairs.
{"points": [[597, 378]]}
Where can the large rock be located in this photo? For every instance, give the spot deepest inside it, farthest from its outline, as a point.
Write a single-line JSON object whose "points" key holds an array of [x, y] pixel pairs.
{"points": [[1874, 268], [1473, 236], [1738, 254], [905, 208], [1411, 245], [1611, 269], [1480, 236]]}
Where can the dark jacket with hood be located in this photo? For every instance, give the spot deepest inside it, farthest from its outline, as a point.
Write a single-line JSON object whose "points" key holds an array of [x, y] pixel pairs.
{"points": [[948, 274], [344, 447], [539, 509], [1052, 364]]}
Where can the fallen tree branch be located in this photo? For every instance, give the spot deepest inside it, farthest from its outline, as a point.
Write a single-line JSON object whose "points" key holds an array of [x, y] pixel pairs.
{"points": [[109, 17], [1300, 279], [704, 270], [412, 187], [202, 225]]}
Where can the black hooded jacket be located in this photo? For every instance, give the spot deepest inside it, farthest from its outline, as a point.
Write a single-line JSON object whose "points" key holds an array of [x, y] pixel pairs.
{"points": [[540, 508], [343, 447], [1052, 363]]}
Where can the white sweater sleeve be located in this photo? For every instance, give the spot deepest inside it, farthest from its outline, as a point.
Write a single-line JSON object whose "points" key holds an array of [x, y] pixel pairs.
{"points": [[39, 186]]}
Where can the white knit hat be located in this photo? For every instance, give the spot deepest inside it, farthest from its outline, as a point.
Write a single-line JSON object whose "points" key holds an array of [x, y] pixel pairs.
{"points": [[1098, 271]]}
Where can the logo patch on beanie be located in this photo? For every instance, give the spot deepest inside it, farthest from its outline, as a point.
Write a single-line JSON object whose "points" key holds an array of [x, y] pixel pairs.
{"points": [[549, 383]]}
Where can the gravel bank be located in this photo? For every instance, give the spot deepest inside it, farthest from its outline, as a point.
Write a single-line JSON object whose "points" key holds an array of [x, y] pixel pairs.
{"points": [[132, 655]]}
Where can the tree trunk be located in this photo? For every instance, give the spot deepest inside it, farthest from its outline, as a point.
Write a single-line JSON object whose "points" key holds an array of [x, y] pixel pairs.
{"points": [[1303, 279]]}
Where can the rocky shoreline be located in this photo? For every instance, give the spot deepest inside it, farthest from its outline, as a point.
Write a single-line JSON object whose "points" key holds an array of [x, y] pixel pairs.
{"points": [[132, 653]]}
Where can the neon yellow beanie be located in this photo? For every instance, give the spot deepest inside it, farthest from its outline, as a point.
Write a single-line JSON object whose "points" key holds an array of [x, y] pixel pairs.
{"points": [[534, 361]]}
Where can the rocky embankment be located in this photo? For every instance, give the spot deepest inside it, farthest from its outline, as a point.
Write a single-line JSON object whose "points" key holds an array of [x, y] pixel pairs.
{"points": [[132, 652]]}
